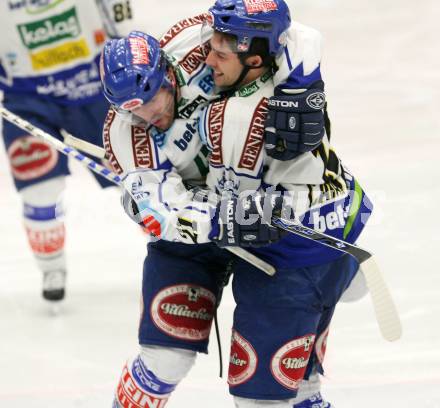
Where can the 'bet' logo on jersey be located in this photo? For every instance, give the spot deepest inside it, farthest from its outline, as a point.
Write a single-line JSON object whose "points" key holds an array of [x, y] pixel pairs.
{"points": [[139, 50], [186, 138]]}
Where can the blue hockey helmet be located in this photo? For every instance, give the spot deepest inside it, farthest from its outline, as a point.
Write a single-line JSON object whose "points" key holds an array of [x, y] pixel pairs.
{"points": [[132, 70], [248, 19]]}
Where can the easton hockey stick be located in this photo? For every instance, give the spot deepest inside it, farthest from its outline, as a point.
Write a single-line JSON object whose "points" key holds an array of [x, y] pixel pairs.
{"points": [[109, 175], [386, 313]]}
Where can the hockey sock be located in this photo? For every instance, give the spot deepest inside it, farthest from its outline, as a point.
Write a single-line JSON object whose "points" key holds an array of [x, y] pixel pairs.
{"points": [[149, 379], [46, 233]]}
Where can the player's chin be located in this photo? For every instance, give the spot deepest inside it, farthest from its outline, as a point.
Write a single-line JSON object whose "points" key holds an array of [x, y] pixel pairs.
{"points": [[219, 79], [164, 123]]}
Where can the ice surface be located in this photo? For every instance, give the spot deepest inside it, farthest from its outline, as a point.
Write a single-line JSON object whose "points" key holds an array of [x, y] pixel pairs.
{"points": [[382, 70]]}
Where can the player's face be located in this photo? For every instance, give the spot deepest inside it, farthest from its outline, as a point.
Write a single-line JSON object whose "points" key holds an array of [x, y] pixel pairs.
{"points": [[225, 63], [159, 111]]}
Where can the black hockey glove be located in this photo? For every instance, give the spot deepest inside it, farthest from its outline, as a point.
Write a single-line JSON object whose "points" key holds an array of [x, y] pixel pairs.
{"points": [[245, 221], [295, 122]]}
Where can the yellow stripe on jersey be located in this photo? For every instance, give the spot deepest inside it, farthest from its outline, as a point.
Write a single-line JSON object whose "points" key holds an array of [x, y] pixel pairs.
{"points": [[61, 54]]}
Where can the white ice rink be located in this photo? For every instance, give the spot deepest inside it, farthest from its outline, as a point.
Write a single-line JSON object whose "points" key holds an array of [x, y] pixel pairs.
{"points": [[382, 71]]}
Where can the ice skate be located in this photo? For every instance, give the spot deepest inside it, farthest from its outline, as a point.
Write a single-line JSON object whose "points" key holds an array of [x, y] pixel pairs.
{"points": [[54, 283]]}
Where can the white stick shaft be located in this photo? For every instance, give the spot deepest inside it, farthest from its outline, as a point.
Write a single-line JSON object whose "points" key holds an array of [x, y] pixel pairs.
{"points": [[384, 307], [82, 145], [253, 260], [109, 175]]}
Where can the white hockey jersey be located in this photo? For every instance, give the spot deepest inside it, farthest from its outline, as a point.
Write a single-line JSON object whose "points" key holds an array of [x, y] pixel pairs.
{"points": [[232, 128], [299, 63], [51, 47]]}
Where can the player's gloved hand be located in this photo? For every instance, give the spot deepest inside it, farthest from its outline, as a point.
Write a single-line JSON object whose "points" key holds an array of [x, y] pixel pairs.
{"points": [[246, 221], [148, 223], [295, 121], [130, 207]]}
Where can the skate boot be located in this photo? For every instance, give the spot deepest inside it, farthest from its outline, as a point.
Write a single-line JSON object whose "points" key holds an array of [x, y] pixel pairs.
{"points": [[54, 283], [314, 401]]}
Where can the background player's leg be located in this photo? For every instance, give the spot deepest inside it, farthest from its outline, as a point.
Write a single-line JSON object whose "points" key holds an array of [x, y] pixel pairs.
{"points": [[38, 171], [45, 230]]}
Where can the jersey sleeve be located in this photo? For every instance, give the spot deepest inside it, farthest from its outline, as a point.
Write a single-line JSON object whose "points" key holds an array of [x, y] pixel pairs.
{"points": [[183, 39], [300, 64], [321, 192]]}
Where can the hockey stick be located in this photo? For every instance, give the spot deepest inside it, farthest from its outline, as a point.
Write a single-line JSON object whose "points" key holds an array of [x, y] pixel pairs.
{"points": [[82, 145], [109, 175], [386, 313]]}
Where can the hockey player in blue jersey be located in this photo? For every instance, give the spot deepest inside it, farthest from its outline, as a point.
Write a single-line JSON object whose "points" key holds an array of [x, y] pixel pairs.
{"points": [[49, 76], [280, 323]]}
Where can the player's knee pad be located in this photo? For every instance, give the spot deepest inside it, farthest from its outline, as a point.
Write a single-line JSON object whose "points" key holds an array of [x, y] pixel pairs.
{"points": [[149, 379], [42, 219], [44, 193], [254, 403], [168, 363]]}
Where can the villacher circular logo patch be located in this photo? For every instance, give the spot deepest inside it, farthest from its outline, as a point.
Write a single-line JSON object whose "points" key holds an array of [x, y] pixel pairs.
{"points": [[184, 311], [30, 158], [242, 360], [289, 363]]}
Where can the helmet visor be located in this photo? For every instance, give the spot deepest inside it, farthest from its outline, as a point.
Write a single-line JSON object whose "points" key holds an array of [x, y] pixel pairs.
{"points": [[129, 117], [224, 41]]}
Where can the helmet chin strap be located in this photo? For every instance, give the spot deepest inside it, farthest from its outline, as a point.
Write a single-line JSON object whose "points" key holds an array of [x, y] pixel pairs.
{"points": [[244, 72]]}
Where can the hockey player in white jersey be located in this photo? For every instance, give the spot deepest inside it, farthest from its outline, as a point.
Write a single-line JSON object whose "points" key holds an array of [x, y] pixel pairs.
{"points": [[262, 372], [49, 76]]}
